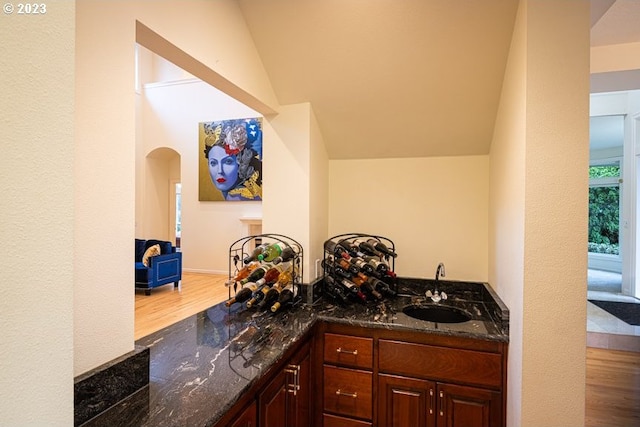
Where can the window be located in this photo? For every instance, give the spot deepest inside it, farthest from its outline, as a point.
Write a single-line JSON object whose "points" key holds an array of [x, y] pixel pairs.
{"points": [[604, 208]]}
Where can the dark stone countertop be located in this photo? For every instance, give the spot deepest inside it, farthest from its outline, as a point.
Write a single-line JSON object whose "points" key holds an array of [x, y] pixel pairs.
{"points": [[200, 366]]}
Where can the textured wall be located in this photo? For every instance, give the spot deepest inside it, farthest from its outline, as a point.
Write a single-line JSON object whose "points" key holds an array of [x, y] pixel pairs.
{"points": [[434, 209], [541, 146], [36, 217]]}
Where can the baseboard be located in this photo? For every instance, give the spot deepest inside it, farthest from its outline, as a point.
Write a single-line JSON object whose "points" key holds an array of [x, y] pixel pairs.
{"points": [[196, 270]]}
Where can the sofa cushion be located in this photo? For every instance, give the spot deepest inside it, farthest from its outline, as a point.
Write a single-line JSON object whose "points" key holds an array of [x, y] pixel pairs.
{"points": [[151, 251], [165, 247], [140, 248]]}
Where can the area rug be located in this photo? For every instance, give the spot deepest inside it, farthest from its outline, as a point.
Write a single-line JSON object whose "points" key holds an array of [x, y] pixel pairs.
{"points": [[626, 311]]}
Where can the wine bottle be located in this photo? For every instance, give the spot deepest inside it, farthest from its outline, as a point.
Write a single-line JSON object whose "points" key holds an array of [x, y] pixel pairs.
{"points": [[351, 248], [271, 297], [363, 266], [256, 274], [286, 276], [353, 290], [331, 267], [382, 287], [244, 272], [377, 265], [335, 291], [287, 295], [243, 294], [382, 248], [351, 268], [271, 252], [287, 255], [254, 255], [367, 248], [333, 248], [366, 287], [258, 295]]}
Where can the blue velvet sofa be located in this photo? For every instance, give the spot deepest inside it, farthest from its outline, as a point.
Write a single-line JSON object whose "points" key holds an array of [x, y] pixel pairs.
{"points": [[161, 269]]}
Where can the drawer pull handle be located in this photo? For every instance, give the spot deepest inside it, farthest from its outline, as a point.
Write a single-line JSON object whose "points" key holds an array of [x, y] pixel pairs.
{"points": [[341, 350], [346, 393], [430, 401], [441, 403]]}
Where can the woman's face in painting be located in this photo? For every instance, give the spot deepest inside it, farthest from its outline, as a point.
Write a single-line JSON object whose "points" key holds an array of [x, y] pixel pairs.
{"points": [[223, 168]]}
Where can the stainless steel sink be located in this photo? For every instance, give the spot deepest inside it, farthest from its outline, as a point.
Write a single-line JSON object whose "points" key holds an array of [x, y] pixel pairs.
{"points": [[437, 313]]}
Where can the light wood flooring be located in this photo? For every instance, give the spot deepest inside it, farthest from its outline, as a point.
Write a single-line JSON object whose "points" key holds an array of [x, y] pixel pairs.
{"points": [[166, 305], [612, 377], [613, 388]]}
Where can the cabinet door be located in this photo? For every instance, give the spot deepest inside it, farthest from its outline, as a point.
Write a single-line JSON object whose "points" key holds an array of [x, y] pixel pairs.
{"points": [[272, 402], [406, 402], [299, 404], [247, 418], [460, 406], [285, 401]]}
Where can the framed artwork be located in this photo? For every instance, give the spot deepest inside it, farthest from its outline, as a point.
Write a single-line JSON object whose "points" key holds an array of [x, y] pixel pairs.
{"points": [[230, 160]]}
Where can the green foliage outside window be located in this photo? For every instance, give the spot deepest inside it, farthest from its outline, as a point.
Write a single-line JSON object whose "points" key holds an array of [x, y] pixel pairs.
{"points": [[604, 171], [604, 212]]}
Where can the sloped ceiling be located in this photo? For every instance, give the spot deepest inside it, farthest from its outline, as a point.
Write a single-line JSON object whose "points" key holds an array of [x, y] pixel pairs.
{"points": [[389, 78], [407, 78]]}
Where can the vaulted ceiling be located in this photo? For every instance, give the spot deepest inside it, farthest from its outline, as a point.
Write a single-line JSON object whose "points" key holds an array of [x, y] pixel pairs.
{"points": [[389, 78], [410, 78]]}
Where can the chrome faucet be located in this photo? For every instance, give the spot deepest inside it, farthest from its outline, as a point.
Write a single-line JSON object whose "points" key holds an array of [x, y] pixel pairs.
{"points": [[440, 271], [437, 296]]}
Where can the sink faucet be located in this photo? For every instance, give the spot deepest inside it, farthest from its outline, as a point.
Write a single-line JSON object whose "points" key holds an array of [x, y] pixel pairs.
{"points": [[440, 271], [437, 296]]}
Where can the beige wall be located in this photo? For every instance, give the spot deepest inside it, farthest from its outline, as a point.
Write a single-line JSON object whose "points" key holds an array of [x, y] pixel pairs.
{"points": [[170, 116], [507, 208], [105, 147], [433, 209], [620, 57], [546, 142], [36, 217], [287, 193]]}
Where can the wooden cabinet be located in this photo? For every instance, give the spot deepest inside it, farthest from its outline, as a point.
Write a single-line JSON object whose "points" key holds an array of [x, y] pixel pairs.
{"points": [[285, 400], [392, 378], [248, 417], [412, 402], [405, 402], [460, 406], [347, 380]]}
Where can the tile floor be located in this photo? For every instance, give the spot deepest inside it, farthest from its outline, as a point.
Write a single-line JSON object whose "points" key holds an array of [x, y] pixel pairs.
{"points": [[603, 329]]}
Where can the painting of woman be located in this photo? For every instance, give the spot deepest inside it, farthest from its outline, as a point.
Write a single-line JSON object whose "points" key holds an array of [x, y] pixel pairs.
{"points": [[233, 153]]}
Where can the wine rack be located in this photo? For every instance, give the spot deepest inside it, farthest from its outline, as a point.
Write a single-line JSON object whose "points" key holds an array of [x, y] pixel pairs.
{"points": [[255, 327], [242, 248], [333, 283]]}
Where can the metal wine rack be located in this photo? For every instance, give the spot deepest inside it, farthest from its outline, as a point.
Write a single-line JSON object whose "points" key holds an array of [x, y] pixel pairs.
{"points": [[243, 247], [351, 237], [255, 327]]}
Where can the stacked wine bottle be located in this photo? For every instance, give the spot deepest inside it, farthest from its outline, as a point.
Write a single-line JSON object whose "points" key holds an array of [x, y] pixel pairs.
{"points": [[358, 268], [268, 277]]}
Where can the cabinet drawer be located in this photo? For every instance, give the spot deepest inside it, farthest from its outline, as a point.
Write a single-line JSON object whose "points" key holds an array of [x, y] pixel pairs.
{"points": [[453, 365], [348, 392], [346, 350], [329, 420]]}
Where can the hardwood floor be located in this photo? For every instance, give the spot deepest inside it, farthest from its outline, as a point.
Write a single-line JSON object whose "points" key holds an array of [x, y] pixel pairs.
{"points": [[166, 305], [612, 377], [613, 388]]}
